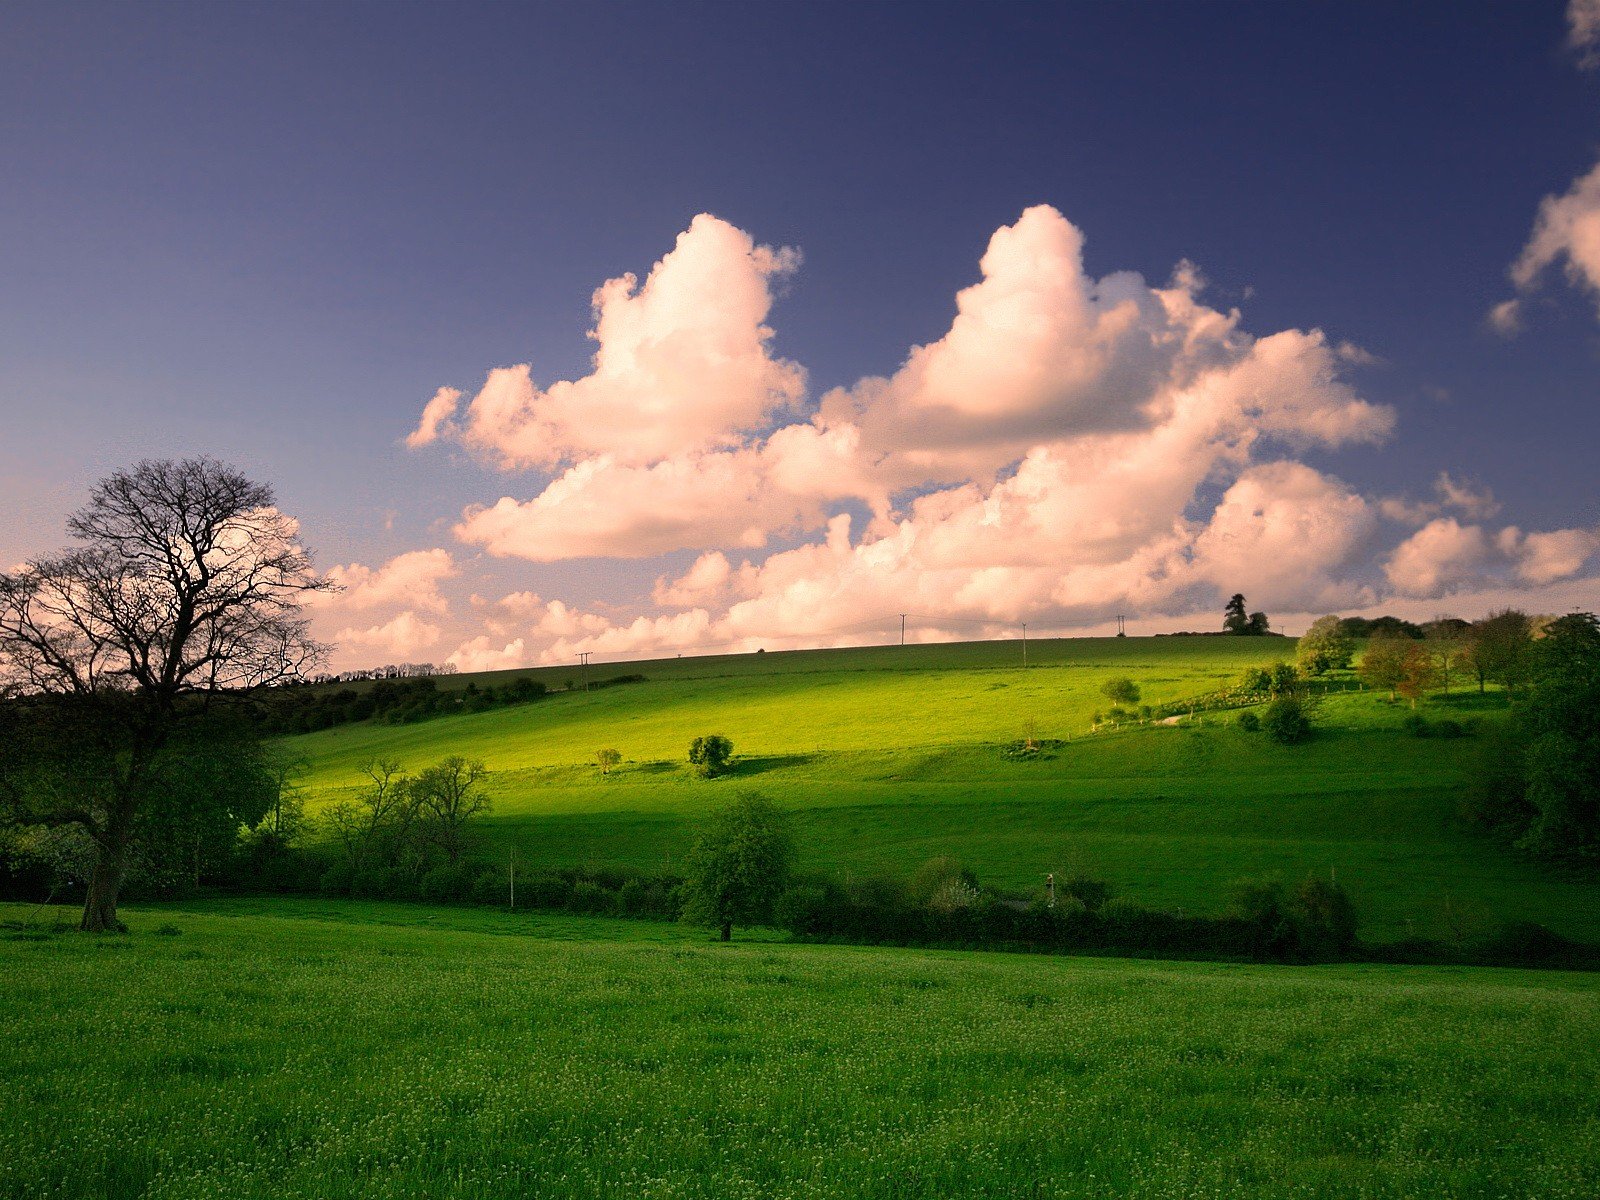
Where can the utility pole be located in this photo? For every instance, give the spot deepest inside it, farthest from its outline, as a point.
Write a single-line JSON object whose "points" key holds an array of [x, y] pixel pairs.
{"points": [[583, 657], [513, 879], [902, 629], [1024, 645], [1120, 631]]}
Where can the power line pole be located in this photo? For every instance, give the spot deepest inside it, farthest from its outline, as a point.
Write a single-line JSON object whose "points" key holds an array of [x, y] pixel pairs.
{"points": [[902, 629], [1120, 631], [1024, 645], [583, 657], [513, 879]]}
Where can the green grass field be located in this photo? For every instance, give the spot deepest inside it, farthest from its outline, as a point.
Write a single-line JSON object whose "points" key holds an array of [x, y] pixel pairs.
{"points": [[325, 1050], [889, 756]]}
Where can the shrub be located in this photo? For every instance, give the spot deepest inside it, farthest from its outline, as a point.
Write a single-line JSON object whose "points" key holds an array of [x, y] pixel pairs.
{"points": [[336, 879], [1326, 916], [1120, 690], [1285, 720], [803, 911], [1526, 943], [1249, 722], [1416, 725], [546, 891], [709, 755], [490, 887], [590, 898], [630, 898], [607, 760], [450, 881], [1086, 890]]}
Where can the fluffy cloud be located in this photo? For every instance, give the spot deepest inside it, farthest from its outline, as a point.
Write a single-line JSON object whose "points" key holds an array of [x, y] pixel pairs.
{"points": [[1069, 448], [1445, 555], [404, 637], [1450, 494], [683, 364], [1567, 232], [411, 579]]}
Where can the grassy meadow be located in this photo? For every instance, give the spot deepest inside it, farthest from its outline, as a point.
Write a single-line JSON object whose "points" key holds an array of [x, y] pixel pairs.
{"points": [[284, 1049], [892, 755]]}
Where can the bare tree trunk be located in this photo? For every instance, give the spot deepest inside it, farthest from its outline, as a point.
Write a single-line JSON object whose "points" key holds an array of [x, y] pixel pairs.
{"points": [[727, 931], [110, 868], [105, 883]]}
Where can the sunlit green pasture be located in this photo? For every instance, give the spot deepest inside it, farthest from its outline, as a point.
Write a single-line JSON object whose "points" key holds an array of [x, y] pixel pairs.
{"points": [[324, 1050], [890, 756]]}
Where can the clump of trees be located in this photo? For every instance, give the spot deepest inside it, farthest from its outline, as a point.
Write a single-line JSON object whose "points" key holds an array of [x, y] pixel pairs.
{"points": [[1236, 621], [1538, 783], [738, 866], [710, 754], [398, 701], [407, 835]]}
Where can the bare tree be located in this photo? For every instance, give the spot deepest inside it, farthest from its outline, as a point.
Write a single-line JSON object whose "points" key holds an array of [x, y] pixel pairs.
{"points": [[449, 794], [186, 582]]}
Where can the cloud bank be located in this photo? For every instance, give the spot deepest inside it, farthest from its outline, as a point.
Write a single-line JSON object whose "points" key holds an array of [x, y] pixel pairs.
{"points": [[1068, 448]]}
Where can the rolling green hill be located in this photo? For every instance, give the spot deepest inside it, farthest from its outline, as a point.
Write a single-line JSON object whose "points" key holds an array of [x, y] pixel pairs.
{"points": [[892, 755], [319, 1050]]}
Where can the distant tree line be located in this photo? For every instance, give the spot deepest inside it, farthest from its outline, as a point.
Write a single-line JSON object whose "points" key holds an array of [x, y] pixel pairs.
{"points": [[423, 670]]}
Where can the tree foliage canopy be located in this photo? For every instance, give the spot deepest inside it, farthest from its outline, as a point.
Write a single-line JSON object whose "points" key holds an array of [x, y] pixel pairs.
{"points": [[738, 865]]}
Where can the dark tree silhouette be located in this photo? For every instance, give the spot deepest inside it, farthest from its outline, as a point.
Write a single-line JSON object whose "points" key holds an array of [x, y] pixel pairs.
{"points": [[184, 589]]}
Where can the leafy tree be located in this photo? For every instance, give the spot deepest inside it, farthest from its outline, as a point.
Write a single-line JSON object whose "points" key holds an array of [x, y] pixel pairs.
{"points": [[1324, 647], [607, 760], [1499, 647], [1120, 690], [709, 755], [186, 582], [374, 827], [1383, 663], [447, 796], [1418, 671], [1563, 728], [738, 865], [1234, 617], [1446, 639]]}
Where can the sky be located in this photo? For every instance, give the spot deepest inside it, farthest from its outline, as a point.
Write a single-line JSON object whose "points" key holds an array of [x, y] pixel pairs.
{"points": [[653, 329]]}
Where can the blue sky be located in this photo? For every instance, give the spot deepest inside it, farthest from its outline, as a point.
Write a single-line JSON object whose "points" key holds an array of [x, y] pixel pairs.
{"points": [[271, 233]]}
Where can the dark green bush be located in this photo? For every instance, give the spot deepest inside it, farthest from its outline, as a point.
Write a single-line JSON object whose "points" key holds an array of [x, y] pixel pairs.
{"points": [[1249, 722], [449, 881], [1285, 720]]}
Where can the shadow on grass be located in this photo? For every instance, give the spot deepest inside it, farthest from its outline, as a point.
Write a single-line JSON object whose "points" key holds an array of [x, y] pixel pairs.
{"points": [[744, 767]]}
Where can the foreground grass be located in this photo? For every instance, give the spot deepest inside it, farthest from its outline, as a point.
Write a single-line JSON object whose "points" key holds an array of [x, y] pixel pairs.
{"points": [[891, 756], [322, 1051]]}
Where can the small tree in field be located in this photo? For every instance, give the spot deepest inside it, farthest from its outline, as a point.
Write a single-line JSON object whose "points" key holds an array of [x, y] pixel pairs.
{"points": [[1120, 690], [447, 796], [1285, 719], [710, 755], [1418, 671], [1383, 664], [739, 864], [1324, 647], [607, 760]]}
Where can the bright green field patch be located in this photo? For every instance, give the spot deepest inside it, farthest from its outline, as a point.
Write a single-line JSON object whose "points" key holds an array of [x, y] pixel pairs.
{"points": [[890, 756], [333, 1051]]}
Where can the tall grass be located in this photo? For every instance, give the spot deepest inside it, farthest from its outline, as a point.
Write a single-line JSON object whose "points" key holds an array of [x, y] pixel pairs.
{"points": [[287, 1056]]}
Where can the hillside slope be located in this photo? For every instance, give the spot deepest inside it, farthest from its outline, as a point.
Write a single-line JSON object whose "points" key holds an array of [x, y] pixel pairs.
{"points": [[892, 755]]}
